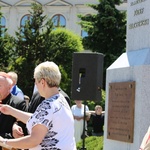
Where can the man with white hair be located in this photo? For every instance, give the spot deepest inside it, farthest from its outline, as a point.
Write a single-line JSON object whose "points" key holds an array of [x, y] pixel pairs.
{"points": [[7, 121], [15, 90]]}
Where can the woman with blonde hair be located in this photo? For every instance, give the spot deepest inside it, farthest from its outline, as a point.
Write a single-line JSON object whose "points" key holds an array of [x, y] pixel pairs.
{"points": [[51, 126]]}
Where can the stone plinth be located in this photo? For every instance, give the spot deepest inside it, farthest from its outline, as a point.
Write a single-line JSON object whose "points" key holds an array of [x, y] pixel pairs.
{"points": [[134, 65], [131, 66], [138, 24]]}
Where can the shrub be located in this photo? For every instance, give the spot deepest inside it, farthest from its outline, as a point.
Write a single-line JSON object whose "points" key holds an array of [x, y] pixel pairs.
{"points": [[91, 143]]}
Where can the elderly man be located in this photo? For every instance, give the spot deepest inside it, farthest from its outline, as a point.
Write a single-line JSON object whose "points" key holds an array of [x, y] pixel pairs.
{"points": [[15, 90], [7, 121], [51, 126]]}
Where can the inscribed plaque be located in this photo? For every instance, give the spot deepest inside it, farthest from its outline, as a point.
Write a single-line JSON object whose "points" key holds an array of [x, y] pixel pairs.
{"points": [[121, 111]]}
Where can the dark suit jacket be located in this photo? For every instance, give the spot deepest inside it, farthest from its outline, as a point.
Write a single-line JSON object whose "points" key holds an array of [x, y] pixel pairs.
{"points": [[65, 95], [36, 99], [7, 121]]}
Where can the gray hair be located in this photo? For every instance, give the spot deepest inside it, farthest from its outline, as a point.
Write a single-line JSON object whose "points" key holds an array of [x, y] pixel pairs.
{"points": [[48, 71], [13, 76]]}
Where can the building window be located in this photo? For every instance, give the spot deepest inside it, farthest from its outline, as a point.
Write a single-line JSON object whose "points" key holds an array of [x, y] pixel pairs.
{"points": [[24, 19], [2, 23], [83, 32], [59, 21]]}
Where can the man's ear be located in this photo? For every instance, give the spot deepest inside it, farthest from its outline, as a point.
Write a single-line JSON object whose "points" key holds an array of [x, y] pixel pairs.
{"points": [[43, 82]]}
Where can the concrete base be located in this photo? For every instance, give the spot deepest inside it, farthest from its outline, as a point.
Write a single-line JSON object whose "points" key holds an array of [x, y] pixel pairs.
{"points": [[131, 66]]}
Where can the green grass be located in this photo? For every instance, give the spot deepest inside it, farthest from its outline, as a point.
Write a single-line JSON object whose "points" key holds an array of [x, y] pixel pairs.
{"points": [[91, 143]]}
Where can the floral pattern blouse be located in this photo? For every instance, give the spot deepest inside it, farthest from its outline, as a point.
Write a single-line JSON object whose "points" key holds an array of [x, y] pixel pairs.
{"points": [[55, 114]]}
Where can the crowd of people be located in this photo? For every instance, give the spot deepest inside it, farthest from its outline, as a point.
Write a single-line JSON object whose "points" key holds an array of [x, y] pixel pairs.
{"points": [[48, 121], [96, 117]]}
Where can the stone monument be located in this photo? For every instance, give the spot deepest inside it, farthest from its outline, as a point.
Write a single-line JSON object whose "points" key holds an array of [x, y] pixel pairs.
{"points": [[127, 107]]}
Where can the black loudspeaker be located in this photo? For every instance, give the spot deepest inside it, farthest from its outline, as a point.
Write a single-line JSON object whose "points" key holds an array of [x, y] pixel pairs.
{"points": [[87, 76]]}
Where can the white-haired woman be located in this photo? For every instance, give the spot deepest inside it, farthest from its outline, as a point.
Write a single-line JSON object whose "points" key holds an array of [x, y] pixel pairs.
{"points": [[52, 124]]}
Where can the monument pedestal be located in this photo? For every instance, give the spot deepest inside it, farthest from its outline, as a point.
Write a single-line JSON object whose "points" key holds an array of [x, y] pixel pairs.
{"points": [[131, 66], [134, 65]]}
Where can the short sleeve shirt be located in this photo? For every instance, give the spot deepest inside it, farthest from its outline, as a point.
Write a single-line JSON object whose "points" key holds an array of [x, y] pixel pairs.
{"points": [[55, 114]]}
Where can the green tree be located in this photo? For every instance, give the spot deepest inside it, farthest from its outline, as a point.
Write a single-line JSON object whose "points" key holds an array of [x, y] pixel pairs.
{"points": [[63, 44], [106, 30], [6, 43], [38, 42], [31, 45]]}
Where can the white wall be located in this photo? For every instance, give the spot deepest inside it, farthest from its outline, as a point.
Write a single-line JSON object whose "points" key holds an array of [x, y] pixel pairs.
{"points": [[14, 10]]}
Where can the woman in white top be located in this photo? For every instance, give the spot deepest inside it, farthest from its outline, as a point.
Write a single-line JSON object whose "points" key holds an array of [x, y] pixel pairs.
{"points": [[78, 114], [52, 124]]}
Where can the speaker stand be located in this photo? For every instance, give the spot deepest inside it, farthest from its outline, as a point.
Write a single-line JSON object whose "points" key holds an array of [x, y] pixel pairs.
{"points": [[84, 118]]}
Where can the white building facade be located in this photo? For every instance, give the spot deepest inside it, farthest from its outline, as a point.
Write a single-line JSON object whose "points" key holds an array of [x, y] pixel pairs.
{"points": [[66, 11]]}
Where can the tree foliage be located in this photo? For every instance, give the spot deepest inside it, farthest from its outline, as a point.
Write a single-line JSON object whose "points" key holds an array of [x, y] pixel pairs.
{"points": [[6, 43], [63, 44], [36, 42], [106, 30], [92, 143], [31, 45]]}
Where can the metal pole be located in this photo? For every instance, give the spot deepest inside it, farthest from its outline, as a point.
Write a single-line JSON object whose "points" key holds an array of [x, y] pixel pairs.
{"points": [[83, 140]]}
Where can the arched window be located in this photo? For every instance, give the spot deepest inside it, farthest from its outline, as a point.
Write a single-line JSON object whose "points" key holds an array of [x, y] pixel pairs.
{"points": [[24, 19], [59, 20], [83, 32], [2, 23]]}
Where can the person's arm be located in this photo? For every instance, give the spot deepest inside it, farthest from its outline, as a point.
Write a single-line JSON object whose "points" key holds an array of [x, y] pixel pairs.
{"points": [[18, 114], [20, 94], [87, 114], [90, 112], [37, 135], [146, 140], [78, 118], [17, 131], [93, 112]]}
